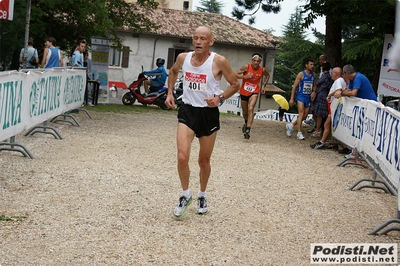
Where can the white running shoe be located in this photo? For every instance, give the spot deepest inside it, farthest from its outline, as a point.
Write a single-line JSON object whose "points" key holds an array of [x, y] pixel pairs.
{"points": [[202, 207], [180, 208], [289, 128], [300, 136]]}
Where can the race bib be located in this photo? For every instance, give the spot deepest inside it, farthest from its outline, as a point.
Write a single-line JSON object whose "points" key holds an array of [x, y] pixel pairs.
{"points": [[307, 88], [195, 82], [250, 87]]}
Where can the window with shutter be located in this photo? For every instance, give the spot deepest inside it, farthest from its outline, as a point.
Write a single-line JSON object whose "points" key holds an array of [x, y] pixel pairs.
{"points": [[125, 56], [114, 56], [173, 54]]}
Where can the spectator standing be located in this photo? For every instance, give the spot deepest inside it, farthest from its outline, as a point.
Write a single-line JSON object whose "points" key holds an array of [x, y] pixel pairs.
{"points": [[359, 86], [250, 88], [304, 84], [319, 107], [32, 54], [51, 55], [198, 116], [281, 113], [77, 56], [322, 59], [338, 84], [87, 62]]}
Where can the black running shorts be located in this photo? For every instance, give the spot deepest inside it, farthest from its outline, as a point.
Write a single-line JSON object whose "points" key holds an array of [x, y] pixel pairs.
{"points": [[202, 120]]}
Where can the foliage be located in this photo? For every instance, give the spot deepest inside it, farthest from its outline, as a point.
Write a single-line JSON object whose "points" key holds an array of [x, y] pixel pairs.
{"points": [[360, 23], [254, 6], [210, 6], [10, 219], [69, 20], [292, 52], [294, 28]]}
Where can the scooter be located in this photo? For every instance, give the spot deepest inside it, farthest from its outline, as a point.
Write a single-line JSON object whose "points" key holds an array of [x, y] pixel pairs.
{"points": [[156, 95], [178, 91]]}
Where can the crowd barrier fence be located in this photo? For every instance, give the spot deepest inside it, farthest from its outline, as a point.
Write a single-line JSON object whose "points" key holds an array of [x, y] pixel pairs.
{"points": [[29, 98]]}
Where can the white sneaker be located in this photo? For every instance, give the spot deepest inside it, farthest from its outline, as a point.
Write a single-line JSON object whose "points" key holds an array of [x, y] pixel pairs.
{"points": [[300, 136], [289, 128]]}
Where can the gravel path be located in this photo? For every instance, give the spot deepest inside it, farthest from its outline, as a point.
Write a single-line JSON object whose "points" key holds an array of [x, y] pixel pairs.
{"points": [[104, 195]]}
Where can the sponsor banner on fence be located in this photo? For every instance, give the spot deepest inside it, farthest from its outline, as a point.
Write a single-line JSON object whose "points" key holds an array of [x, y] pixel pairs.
{"points": [[232, 105], [274, 116], [389, 78], [372, 128], [27, 99]]}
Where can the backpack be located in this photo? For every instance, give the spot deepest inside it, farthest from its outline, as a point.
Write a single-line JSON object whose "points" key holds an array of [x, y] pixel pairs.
{"points": [[32, 61]]}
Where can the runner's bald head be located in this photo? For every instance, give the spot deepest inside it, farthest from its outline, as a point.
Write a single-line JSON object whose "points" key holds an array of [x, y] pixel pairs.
{"points": [[204, 30]]}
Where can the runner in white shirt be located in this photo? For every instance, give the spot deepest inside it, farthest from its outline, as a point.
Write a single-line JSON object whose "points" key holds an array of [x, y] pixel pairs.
{"points": [[199, 115]]}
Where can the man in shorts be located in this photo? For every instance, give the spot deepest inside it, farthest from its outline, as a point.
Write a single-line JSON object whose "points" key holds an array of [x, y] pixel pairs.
{"points": [[250, 88], [305, 85], [198, 116]]}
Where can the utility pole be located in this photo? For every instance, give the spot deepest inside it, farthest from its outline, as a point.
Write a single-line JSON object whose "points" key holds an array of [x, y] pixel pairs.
{"points": [[27, 23]]}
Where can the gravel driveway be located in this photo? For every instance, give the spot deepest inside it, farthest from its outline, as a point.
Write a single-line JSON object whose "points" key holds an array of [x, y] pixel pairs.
{"points": [[104, 195]]}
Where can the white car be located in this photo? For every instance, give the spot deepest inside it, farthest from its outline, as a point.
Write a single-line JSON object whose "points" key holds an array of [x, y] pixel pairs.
{"points": [[391, 103]]}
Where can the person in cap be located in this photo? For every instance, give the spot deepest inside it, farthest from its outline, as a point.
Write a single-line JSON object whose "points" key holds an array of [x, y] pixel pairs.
{"points": [[251, 74]]}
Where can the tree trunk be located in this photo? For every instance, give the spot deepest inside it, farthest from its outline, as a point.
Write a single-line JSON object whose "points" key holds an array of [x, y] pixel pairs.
{"points": [[333, 36], [333, 42]]}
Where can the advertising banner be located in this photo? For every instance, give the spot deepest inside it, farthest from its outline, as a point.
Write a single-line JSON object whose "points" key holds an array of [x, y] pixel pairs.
{"points": [[372, 128], [28, 99], [389, 79]]}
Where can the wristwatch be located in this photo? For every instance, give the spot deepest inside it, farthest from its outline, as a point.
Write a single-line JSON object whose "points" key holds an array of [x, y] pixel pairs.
{"points": [[222, 99]]}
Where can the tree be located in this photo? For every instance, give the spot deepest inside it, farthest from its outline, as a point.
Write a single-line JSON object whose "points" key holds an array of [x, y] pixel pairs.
{"points": [[210, 6], [341, 17], [267, 6], [292, 52], [69, 20]]}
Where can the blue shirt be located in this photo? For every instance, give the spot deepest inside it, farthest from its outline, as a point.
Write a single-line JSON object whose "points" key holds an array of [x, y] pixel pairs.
{"points": [[306, 84], [160, 75], [53, 58], [365, 90], [77, 59]]}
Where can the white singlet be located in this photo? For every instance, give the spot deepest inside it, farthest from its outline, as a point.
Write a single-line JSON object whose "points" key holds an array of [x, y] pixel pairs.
{"points": [[199, 82]]}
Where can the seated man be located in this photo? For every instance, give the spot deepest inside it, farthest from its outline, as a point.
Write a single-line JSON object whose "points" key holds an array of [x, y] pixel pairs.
{"points": [[159, 73]]}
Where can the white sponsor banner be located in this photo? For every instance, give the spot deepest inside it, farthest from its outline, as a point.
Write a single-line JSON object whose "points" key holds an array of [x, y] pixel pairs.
{"points": [[389, 78], [231, 105], [27, 99], [372, 128], [274, 116], [354, 253]]}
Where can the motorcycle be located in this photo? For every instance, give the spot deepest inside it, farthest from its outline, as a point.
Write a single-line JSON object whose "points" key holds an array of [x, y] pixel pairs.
{"points": [[156, 95], [178, 91]]}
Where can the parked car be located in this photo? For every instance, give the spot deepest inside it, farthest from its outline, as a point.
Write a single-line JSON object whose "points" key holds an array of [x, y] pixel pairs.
{"points": [[391, 103]]}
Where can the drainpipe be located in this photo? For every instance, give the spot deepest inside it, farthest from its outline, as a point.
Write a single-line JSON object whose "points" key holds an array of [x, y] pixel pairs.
{"points": [[262, 80], [154, 53]]}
